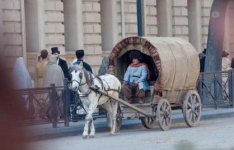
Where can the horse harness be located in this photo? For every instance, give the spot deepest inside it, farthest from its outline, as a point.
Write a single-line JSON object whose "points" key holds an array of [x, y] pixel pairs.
{"points": [[90, 82]]}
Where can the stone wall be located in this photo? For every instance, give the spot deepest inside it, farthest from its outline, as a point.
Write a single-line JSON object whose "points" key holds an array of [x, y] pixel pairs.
{"points": [[119, 20], [54, 25], [130, 17], [92, 32], [206, 7], [151, 18], [12, 30], [180, 19]]}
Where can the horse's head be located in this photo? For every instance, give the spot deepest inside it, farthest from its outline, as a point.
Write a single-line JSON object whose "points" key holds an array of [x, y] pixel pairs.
{"points": [[77, 74]]}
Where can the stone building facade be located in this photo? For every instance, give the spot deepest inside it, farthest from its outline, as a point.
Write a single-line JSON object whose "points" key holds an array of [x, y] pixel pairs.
{"points": [[95, 25]]}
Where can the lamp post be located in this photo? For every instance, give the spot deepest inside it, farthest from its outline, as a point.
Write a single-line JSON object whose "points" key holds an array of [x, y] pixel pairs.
{"points": [[140, 17]]}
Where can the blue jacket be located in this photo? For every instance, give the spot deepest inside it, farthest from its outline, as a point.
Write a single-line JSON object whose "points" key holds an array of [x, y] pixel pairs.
{"points": [[137, 74]]}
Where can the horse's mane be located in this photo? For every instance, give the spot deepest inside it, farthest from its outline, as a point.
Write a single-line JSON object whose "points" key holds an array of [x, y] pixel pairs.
{"points": [[88, 76]]}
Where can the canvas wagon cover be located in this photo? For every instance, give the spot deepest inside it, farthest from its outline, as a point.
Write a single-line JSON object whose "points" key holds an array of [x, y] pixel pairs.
{"points": [[176, 60]]}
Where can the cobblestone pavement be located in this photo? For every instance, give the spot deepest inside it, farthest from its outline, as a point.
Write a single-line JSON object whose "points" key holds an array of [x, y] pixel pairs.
{"points": [[213, 134]]}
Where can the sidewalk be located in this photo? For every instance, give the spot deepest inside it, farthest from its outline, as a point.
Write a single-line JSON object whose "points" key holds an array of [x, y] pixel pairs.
{"points": [[46, 131]]}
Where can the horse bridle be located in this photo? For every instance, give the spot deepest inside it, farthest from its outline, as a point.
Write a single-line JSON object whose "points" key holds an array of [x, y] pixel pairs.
{"points": [[81, 84]]}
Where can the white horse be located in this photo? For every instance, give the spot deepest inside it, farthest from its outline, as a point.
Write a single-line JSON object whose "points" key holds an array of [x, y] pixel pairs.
{"points": [[82, 80]]}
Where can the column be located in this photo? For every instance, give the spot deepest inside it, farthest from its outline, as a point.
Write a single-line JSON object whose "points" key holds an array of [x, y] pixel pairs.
{"points": [[34, 15], [73, 22], [24, 47], [109, 24], [164, 11], [195, 31]]}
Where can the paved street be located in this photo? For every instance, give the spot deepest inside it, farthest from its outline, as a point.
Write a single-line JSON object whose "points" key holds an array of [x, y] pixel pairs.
{"points": [[211, 134]]}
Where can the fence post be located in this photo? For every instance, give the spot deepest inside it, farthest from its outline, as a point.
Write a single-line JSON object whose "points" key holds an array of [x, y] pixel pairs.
{"points": [[66, 104], [200, 90], [54, 106], [231, 90], [31, 108], [216, 90]]}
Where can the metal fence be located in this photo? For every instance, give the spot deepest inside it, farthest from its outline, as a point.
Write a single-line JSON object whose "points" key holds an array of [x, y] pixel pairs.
{"points": [[216, 89], [48, 104], [54, 103]]}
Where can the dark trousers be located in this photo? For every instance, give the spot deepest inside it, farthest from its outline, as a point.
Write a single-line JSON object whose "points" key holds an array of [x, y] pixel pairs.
{"points": [[132, 91]]}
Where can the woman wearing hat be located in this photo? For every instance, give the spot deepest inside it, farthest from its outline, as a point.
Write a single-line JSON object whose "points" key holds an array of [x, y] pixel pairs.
{"points": [[135, 78]]}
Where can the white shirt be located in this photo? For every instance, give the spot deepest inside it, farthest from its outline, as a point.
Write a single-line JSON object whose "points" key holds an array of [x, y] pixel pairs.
{"points": [[226, 64]]}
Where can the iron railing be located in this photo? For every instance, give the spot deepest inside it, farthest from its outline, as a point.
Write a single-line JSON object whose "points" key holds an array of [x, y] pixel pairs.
{"points": [[47, 102], [216, 89]]}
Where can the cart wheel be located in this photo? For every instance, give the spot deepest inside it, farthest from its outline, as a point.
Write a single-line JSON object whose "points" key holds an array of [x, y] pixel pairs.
{"points": [[119, 119], [164, 114], [192, 109]]}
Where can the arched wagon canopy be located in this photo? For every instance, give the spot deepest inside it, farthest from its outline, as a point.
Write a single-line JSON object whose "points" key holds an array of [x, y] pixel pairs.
{"points": [[176, 60]]}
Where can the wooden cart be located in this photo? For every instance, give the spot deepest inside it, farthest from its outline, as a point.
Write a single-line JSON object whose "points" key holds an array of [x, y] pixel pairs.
{"points": [[174, 71]]}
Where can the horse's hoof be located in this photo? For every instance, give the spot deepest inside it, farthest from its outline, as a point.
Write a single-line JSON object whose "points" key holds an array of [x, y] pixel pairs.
{"points": [[85, 136], [112, 134]]}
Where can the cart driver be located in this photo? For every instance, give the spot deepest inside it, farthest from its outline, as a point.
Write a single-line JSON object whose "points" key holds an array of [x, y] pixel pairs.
{"points": [[135, 78]]}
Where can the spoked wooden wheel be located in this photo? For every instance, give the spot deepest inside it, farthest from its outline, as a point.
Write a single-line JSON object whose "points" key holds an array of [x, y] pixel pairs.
{"points": [[192, 108], [164, 114], [148, 122]]}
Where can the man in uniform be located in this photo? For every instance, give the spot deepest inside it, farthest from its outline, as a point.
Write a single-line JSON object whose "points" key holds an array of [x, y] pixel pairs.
{"points": [[80, 58]]}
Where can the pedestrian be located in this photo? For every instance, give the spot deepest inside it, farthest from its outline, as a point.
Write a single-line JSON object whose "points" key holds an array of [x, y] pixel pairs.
{"points": [[40, 68], [23, 80], [226, 63], [104, 66], [232, 63], [54, 75], [80, 58], [21, 76], [202, 57], [226, 66], [61, 62]]}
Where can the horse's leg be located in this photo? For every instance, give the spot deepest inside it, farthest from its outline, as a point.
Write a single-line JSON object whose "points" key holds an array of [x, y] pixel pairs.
{"points": [[86, 127], [107, 106], [114, 114], [89, 117], [92, 129]]}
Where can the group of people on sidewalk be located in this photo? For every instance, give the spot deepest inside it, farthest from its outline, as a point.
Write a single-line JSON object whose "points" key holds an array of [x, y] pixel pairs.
{"points": [[50, 69], [53, 69]]}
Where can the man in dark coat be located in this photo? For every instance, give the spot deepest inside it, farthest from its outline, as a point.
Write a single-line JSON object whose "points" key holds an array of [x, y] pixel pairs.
{"points": [[61, 62], [202, 57], [80, 58]]}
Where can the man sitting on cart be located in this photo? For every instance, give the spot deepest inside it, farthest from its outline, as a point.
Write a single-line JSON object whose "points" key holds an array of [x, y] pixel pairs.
{"points": [[135, 78]]}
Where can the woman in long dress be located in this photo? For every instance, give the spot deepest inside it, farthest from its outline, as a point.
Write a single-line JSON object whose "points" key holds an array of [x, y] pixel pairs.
{"points": [[22, 80]]}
